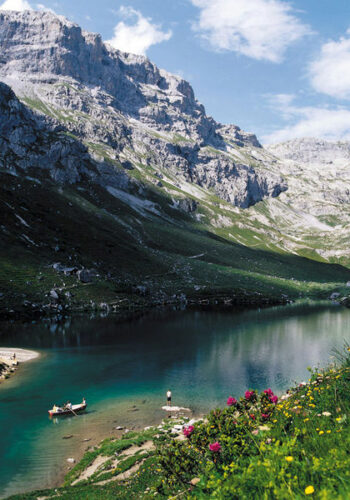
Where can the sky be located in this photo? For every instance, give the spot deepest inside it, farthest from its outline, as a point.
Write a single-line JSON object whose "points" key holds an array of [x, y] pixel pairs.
{"points": [[278, 68]]}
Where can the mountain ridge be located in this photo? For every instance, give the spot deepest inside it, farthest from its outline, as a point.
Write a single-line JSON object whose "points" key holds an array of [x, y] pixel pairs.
{"points": [[156, 202], [141, 104], [312, 150]]}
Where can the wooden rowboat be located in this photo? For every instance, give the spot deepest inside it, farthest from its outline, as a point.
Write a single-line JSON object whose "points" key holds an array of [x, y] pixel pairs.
{"points": [[66, 411]]}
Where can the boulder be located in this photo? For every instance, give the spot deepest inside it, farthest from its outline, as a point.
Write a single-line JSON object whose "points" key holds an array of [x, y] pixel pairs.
{"points": [[345, 301], [128, 165], [188, 205], [85, 276], [54, 295], [175, 408]]}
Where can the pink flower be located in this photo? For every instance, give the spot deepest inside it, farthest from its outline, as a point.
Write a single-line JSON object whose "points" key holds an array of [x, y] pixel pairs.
{"points": [[265, 416], [188, 430], [248, 394], [231, 401], [268, 392], [274, 399], [215, 447]]}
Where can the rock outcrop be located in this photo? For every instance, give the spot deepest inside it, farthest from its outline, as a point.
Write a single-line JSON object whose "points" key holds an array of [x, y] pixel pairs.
{"points": [[29, 141], [118, 109]]}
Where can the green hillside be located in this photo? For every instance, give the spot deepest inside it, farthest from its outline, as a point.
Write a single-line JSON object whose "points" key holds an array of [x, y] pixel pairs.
{"points": [[143, 250]]}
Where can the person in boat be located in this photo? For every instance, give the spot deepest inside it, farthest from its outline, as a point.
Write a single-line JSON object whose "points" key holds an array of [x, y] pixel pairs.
{"points": [[168, 397], [56, 408], [84, 402], [68, 406]]}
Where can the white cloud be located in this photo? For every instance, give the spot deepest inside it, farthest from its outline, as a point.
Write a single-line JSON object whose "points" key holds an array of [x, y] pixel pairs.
{"points": [[15, 5], [308, 121], [40, 6], [330, 73], [139, 36], [261, 29]]}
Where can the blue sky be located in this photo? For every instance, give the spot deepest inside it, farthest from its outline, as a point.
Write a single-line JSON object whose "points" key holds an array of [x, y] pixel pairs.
{"points": [[279, 69]]}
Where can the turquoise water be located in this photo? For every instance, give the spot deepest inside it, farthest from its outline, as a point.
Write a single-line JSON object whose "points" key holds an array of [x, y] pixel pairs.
{"points": [[124, 370]]}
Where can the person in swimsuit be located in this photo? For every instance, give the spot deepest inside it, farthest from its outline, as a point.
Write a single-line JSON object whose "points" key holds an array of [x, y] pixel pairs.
{"points": [[168, 397]]}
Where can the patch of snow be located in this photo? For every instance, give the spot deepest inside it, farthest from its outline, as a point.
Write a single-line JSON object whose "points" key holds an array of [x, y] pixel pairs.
{"points": [[197, 256], [33, 179], [29, 240], [193, 190], [139, 205], [22, 221]]}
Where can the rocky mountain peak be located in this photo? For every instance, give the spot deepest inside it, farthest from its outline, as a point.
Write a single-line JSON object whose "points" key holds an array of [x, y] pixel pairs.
{"points": [[311, 150], [128, 110], [45, 47]]}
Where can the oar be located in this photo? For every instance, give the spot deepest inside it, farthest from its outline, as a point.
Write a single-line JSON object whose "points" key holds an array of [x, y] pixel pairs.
{"points": [[72, 412]]}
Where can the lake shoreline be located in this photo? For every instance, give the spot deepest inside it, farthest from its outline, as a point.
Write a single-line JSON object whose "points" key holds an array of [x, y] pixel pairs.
{"points": [[11, 358], [116, 434], [134, 305], [137, 363]]}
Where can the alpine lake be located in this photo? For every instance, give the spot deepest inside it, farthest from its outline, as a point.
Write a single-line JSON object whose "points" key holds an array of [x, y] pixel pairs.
{"points": [[124, 370]]}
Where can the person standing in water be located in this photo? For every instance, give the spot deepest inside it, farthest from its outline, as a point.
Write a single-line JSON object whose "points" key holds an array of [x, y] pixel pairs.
{"points": [[168, 397]]}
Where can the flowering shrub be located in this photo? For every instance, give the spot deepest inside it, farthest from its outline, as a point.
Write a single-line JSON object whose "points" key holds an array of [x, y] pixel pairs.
{"points": [[249, 395], [215, 447], [187, 430], [231, 401], [263, 447]]}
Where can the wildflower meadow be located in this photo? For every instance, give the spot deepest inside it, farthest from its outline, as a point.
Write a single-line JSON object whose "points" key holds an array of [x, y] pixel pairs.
{"points": [[264, 447]]}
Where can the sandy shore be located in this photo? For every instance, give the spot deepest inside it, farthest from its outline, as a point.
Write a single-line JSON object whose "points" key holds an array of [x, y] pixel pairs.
{"points": [[8, 364], [22, 355]]}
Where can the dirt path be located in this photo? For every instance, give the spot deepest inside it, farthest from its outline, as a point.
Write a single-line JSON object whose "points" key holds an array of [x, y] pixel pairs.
{"points": [[100, 460], [123, 475], [147, 446], [91, 469]]}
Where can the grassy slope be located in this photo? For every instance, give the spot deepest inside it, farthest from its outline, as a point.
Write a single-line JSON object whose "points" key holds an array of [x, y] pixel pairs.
{"points": [[41, 223], [296, 448], [247, 256]]}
